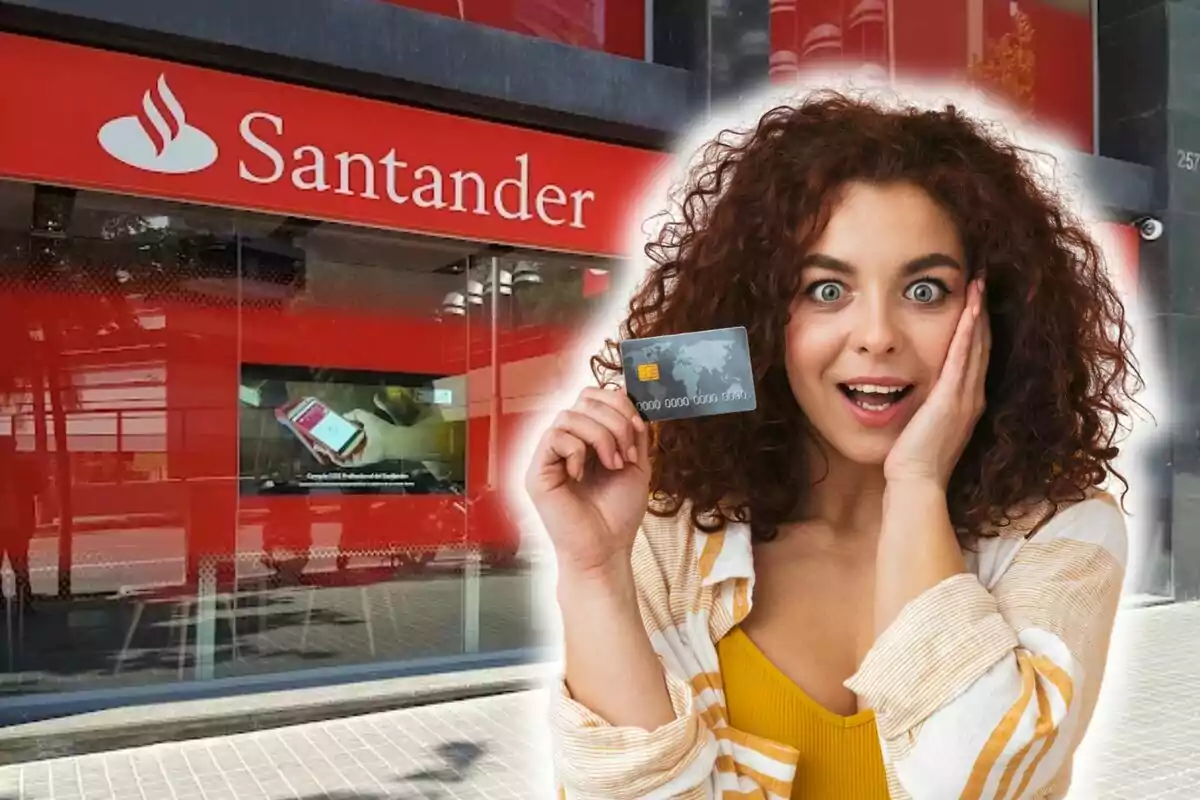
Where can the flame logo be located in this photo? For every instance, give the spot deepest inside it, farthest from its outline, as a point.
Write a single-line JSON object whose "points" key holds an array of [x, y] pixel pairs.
{"points": [[158, 138], [162, 128]]}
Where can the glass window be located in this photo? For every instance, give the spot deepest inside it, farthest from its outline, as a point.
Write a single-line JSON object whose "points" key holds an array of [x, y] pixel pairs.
{"points": [[233, 443], [1036, 53], [613, 26], [100, 546]]}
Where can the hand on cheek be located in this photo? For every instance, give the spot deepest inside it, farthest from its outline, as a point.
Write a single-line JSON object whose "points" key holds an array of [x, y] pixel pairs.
{"points": [[934, 439]]}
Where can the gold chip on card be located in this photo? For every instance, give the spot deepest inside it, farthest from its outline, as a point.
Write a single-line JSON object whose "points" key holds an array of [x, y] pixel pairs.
{"points": [[647, 372]]}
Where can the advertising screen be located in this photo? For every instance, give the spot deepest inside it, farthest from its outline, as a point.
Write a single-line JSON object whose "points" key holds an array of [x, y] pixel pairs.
{"points": [[307, 430]]}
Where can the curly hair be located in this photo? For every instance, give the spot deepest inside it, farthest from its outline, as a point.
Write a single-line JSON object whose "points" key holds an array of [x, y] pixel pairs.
{"points": [[1061, 370]]}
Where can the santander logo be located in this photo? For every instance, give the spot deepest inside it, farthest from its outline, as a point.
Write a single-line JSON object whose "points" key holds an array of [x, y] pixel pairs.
{"points": [[159, 137]]}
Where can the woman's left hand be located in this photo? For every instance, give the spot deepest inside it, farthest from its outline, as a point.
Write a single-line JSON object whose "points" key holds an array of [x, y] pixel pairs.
{"points": [[933, 440]]}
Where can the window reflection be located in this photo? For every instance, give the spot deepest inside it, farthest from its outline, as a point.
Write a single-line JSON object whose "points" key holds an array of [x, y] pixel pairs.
{"points": [[1036, 54], [614, 26], [145, 350]]}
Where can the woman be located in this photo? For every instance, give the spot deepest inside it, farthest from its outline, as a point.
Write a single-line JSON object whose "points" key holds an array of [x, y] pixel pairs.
{"points": [[897, 576]]}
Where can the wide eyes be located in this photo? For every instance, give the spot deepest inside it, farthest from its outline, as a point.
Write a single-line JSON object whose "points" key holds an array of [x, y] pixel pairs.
{"points": [[926, 291], [827, 291]]}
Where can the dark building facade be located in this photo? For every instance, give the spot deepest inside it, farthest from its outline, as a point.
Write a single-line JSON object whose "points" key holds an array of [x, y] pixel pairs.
{"points": [[230, 240], [1149, 113]]}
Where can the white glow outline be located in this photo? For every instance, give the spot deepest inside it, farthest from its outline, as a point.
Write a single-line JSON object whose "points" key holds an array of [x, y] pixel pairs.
{"points": [[1055, 164]]}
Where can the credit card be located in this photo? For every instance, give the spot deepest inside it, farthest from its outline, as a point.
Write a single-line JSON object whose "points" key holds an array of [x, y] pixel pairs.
{"points": [[686, 375]]}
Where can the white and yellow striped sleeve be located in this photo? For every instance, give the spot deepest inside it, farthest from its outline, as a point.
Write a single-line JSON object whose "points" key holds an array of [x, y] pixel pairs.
{"points": [[985, 695], [597, 761]]}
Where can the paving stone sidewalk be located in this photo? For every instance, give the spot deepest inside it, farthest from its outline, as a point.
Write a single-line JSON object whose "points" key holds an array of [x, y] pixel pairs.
{"points": [[1143, 744], [470, 750]]}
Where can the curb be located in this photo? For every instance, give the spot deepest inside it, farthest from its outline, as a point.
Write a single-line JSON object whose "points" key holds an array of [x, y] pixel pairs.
{"points": [[1136, 602], [137, 726]]}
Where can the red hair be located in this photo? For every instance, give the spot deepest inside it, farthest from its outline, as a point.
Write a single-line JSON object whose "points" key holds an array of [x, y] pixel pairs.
{"points": [[1061, 372]]}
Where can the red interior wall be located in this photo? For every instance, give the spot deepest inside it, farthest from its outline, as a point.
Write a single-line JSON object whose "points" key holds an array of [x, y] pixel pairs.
{"points": [[1064, 91], [930, 38], [1122, 248], [204, 345], [621, 31]]}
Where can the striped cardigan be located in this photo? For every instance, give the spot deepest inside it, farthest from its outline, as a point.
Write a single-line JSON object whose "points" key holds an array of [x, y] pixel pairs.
{"points": [[982, 687]]}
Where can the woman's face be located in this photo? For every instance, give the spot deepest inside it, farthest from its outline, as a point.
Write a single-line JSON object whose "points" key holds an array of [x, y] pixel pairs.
{"points": [[881, 294]]}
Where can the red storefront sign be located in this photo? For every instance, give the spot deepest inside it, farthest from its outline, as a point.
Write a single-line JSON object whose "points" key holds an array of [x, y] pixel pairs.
{"points": [[115, 122]]}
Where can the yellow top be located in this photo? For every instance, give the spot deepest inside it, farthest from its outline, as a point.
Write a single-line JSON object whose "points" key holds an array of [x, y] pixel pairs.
{"points": [[1029, 626], [839, 756]]}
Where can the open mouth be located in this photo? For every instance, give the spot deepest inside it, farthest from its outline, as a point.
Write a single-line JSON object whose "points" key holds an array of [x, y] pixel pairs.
{"points": [[873, 397]]}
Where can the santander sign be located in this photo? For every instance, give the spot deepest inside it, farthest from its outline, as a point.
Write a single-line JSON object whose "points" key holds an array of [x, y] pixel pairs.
{"points": [[159, 139], [198, 135], [309, 169]]}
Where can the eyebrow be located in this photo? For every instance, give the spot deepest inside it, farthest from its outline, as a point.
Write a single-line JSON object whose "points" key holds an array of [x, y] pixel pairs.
{"points": [[919, 264]]}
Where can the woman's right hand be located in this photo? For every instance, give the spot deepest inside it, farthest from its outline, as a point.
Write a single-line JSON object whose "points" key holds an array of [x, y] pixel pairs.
{"points": [[590, 481], [590, 484]]}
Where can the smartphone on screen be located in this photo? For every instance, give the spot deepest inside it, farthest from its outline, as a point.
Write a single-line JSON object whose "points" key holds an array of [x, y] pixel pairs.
{"points": [[318, 424]]}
